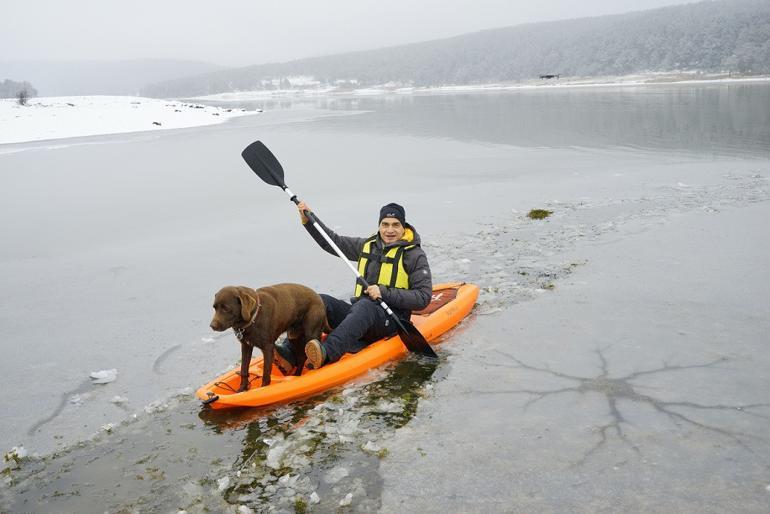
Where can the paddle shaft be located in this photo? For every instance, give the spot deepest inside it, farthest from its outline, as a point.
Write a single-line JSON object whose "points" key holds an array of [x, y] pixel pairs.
{"points": [[317, 225]]}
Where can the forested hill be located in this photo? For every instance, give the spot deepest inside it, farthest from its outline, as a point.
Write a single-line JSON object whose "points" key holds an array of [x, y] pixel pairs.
{"points": [[727, 35]]}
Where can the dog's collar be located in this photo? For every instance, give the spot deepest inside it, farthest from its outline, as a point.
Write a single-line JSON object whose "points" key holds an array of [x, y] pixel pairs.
{"points": [[239, 331]]}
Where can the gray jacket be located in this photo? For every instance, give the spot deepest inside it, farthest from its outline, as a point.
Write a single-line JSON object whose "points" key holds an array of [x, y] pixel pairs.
{"points": [[415, 263]]}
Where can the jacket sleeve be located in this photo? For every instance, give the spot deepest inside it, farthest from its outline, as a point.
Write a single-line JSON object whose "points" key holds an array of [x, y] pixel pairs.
{"points": [[351, 246], [420, 290]]}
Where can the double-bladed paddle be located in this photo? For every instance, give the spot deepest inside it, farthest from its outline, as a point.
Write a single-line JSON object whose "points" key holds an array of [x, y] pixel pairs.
{"points": [[262, 161]]}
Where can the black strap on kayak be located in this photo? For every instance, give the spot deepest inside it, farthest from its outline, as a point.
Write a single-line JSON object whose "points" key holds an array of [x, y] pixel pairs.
{"points": [[225, 385]]}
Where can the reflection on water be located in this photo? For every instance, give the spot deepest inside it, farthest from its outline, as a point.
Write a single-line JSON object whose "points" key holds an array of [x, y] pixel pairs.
{"points": [[713, 119]]}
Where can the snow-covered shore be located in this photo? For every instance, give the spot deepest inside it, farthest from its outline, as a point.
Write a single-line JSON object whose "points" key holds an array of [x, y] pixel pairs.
{"points": [[642, 79], [77, 116]]}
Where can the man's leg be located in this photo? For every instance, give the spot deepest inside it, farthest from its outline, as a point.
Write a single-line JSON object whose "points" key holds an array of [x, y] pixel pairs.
{"points": [[365, 323], [336, 310]]}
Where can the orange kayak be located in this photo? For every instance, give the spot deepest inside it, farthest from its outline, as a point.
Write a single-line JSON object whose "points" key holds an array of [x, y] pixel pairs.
{"points": [[451, 302]]}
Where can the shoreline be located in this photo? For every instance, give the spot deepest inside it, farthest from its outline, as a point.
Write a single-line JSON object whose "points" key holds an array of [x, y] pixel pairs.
{"points": [[635, 80]]}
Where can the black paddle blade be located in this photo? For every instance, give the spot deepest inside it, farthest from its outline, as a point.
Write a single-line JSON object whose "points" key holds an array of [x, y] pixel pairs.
{"points": [[413, 339], [262, 162]]}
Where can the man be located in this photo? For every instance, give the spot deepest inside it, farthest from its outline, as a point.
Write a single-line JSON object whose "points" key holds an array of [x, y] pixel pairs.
{"points": [[392, 261]]}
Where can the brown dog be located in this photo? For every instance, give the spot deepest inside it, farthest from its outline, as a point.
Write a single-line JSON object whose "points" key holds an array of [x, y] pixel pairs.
{"points": [[259, 316]]}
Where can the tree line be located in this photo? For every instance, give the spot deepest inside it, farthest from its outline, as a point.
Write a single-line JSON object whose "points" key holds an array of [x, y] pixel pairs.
{"points": [[710, 36]]}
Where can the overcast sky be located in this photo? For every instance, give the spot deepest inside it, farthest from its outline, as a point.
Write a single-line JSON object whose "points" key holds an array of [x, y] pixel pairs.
{"points": [[243, 32]]}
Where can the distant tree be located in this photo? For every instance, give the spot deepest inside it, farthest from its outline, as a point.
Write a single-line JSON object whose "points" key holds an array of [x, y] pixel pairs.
{"points": [[11, 89], [21, 97]]}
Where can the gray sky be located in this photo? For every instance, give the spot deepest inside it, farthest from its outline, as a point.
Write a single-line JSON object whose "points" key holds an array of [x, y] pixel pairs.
{"points": [[242, 32]]}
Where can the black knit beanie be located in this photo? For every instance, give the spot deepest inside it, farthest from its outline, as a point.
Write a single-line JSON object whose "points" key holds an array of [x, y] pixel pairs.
{"points": [[393, 210]]}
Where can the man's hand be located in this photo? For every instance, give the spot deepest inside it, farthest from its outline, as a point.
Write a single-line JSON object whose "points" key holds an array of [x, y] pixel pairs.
{"points": [[302, 207], [374, 292]]}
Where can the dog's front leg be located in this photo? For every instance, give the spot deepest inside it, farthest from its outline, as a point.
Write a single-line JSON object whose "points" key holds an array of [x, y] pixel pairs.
{"points": [[268, 365], [246, 350]]}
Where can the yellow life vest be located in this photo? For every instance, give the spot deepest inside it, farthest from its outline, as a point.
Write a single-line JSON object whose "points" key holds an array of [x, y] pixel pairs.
{"points": [[392, 272]]}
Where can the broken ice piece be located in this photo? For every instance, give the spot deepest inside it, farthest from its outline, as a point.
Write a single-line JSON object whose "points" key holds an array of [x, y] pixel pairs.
{"points": [[346, 500], [371, 447], [222, 483], [314, 498], [336, 474], [118, 400], [15, 456], [104, 376]]}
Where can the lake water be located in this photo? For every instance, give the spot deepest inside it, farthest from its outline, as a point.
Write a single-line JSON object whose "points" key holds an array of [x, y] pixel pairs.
{"points": [[113, 247]]}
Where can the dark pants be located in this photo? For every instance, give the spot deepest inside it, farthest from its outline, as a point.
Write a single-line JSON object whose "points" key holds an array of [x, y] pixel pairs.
{"points": [[354, 327]]}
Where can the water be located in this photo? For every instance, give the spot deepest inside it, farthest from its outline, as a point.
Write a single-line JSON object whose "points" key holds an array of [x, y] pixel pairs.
{"points": [[113, 247], [732, 119]]}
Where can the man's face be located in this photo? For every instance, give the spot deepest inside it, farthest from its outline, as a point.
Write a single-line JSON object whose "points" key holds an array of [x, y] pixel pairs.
{"points": [[391, 230]]}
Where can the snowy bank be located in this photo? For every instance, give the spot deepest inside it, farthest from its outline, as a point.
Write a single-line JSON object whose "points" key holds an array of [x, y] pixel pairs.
{"points": [[635, 80], [77, 116]]}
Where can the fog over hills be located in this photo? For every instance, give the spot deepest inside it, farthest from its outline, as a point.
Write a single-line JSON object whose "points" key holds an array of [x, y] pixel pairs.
{"points": [[726, 35], [63, 78]]}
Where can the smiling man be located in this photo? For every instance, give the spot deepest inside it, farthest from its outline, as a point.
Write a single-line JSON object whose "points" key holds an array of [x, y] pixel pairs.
{"points": [[392, 261]]}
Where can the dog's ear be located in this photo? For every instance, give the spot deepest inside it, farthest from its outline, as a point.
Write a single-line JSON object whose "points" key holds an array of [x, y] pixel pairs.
{"points": [[248, 303]]}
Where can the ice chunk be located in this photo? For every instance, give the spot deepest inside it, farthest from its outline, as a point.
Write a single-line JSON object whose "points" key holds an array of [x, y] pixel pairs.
{"points": [[347, 500], [16, 454], [314, 498], [223, 483], [386, 406], [104, 376], [14, 457], [348, 426], [243, 509], [371, 447], [108, 427], [274, 456], [335, 474], [119, 400], [288, 480], [299, 461], [155, 407]]}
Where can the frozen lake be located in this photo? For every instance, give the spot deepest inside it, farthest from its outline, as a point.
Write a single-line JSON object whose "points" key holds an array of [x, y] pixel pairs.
{"points": [[614, 363]]}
